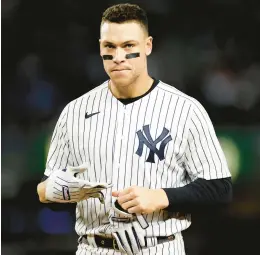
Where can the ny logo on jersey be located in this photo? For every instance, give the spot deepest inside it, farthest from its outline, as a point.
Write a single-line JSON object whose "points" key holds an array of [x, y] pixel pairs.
{"points": [[151, 144]]}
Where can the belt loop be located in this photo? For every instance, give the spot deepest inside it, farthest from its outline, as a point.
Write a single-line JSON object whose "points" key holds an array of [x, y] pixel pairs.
{"points": [[151, 241], [91, 240], [80, 239]]}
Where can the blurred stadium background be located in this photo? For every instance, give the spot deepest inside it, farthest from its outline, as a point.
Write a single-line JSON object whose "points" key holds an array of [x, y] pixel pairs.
{"points": [[209, 49]]}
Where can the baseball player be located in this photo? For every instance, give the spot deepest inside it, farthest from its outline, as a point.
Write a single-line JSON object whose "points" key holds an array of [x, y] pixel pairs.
{"points": [[136, 155]]}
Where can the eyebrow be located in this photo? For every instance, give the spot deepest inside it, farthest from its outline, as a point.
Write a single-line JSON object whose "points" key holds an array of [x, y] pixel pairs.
{"points": [[126, 42]]}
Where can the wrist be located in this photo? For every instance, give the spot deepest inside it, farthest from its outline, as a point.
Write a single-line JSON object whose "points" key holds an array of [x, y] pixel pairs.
{"points": [[162, 199], [41, 190]]}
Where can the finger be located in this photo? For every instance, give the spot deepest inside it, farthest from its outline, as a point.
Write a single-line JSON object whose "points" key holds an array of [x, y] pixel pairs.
{"points": [[140, 233], [125, 198], [119, 242], [110, 185], [83, 183], [83, 196], [101, 197], [136, 238], [81, 167], [131, 203], [142, 221], [92, 189], [121, 211], [77, 169], [115, 193], [133, 241], [103, 185], [89, 191], [125, 242], [135, 209], [96, 185], [125, 191]]}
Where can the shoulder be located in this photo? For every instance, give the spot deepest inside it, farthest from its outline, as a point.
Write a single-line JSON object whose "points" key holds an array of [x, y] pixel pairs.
{"points": [[92, 93], [188, 100], [89, 95]]}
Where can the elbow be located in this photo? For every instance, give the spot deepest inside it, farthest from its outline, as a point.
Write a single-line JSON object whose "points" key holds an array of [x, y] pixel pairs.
{"points": [[223, 192], [229, 188], [227, 196]]}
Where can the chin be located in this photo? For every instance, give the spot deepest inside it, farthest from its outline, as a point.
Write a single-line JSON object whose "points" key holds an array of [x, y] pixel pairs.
{"points": [[120, 81]]}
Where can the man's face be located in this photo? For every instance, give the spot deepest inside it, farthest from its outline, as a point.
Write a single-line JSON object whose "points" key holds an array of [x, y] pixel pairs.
{"points": [[121, 39]]}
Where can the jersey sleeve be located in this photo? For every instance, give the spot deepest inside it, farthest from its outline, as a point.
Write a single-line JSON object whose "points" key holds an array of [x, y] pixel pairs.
{"points": [[204, 157], [59, 155]]}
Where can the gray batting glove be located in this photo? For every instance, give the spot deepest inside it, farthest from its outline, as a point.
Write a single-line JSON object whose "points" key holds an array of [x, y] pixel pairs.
{"points": [[130, 238], [128, 229], [121, 212], [93, 189], [63, 187]]}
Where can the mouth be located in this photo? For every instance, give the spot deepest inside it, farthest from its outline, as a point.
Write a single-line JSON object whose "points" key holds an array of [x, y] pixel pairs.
{"points": [[120, 70]]}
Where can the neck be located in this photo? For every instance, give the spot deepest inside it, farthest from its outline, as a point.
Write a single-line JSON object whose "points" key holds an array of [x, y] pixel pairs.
{"points": [[137, 88]]}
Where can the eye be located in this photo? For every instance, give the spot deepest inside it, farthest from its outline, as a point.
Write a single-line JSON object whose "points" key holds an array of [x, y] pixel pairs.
{"points": [[109, 46], [129, 45]]}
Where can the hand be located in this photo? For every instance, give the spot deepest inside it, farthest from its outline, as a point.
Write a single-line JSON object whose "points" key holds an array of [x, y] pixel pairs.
{"points": [[141, 200], [128, 229], [121, 213], [63, 187]]}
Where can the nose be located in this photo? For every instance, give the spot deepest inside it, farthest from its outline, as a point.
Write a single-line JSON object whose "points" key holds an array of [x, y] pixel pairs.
{"points": [[119, 56]]}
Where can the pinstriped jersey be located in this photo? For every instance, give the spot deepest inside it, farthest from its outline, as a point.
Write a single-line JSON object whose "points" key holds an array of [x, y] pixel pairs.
{"points": [[163, 140]]}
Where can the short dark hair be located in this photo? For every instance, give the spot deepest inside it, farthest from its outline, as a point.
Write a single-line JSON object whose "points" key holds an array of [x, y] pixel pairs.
{"points": [[122, 13]]}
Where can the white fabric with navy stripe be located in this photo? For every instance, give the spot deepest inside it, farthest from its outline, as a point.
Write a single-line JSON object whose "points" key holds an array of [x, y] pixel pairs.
{"points": [[162, 140]]}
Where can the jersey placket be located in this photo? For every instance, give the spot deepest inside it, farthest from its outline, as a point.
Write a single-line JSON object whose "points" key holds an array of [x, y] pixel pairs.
{"points": [[118, 163]]}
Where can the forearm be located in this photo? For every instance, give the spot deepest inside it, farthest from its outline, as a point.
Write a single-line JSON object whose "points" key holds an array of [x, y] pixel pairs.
{"points": [[199, 195]]}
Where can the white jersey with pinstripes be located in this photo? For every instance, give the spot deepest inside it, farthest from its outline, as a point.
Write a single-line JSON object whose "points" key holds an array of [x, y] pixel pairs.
{"points": [[162, 140]]}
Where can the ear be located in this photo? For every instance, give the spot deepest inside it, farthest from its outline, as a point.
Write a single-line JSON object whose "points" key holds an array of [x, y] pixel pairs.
{"points": [[149, 46]]}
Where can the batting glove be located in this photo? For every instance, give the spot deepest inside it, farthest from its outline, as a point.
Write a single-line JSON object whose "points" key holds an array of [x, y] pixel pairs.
{"points": [[130, 230], [122, 213], [130, 238], [63, 187]]}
